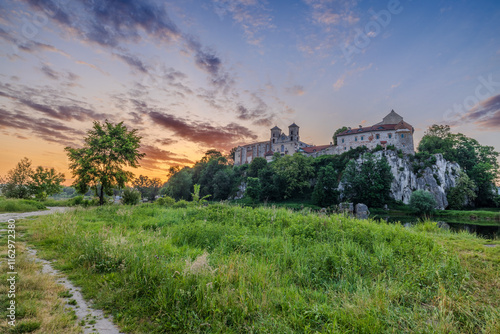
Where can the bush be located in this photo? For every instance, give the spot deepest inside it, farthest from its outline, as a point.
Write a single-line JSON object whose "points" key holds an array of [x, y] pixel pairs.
{"points": [[78, 200], [181, 204], [131, 196], [165, 201], [422, 201]]}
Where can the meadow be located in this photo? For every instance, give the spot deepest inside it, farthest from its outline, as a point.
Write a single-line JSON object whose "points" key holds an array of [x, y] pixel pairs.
{"points": [[228, 269]]}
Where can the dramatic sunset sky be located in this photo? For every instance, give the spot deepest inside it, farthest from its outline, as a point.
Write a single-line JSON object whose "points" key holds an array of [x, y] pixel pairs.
{"points": [[192, 75]]}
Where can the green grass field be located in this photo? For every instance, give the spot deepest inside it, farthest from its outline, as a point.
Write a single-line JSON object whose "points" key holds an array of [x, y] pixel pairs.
{"points": [[227, 269]]}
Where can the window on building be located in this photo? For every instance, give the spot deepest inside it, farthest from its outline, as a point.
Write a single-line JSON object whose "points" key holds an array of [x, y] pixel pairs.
{"points": [[362, 137], [355, 138], [390, 135], [282, 148], [402, 135], [345, 148], [377, 136], [342, 140]]}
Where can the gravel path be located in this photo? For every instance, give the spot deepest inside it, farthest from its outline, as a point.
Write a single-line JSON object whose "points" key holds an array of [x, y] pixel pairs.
{"points": [[18, 215]]}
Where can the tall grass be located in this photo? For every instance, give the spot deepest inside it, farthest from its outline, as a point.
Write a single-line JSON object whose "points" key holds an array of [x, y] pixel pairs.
{"points": [[20, 205], [227, 269]]}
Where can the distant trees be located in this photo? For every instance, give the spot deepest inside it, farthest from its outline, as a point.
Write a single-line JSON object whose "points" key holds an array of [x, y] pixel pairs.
{"points": [[479, 162], [463, 194], [100, 163], [337, 132], [149, 188], [325, 191], [24, 182]]}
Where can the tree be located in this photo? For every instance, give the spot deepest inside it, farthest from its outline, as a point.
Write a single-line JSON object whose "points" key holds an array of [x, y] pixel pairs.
{"points": [[17, 183], [296, 171], [223, 184], [463, 193], [422, 201], [253, 188], [100, 163], [46, 182], [368, 181], [337, 132], [180, 184], [325, 191]]}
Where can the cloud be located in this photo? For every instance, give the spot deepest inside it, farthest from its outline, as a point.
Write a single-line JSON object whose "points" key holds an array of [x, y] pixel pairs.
{"points": [[166, 141], [486, 114], [155, 157], [133, 62], [109, 23], [59, 108], [252, 16], [341, 81], [221, 137], [49, 130], [296, 90], [50, 72]]}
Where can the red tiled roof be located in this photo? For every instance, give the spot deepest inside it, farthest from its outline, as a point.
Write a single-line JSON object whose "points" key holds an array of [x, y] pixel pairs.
{"points": [[380, 127], [312, 149]]}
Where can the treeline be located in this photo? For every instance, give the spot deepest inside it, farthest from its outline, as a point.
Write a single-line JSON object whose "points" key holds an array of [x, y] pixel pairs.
{"points": [[289, 177]]}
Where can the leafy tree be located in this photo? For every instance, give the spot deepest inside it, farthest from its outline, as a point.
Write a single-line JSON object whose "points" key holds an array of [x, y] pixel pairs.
{"points": [[256, 165], [337, 132], [253, 188], [368, 181], [195, 196], [17, 183], [223, 184], [180, 184], [325, 191], [131, 196], [463, 193], [271, 185], [100, 163], [46, 182], [296, 171], [422, 201]]}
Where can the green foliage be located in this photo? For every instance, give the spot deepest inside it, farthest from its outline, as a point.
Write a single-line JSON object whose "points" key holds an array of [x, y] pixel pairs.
{"points": [[131, 196], [325, 190], [100, 163], [165, 201], [256, 165], [296, 171], [462, 194], [478, 161], [422, 201], [179, 184], [149, 188], [46, 182], [195, 196], [253, 188], [243, 270], [368, 181]]}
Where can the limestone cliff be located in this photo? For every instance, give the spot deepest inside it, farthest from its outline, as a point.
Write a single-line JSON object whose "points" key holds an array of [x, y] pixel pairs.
{"points": [[437, 178]]}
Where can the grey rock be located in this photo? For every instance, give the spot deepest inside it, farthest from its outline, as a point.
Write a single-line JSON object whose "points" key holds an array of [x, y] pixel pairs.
{"points": [[362, 211], [346, 207], [443, 225]]}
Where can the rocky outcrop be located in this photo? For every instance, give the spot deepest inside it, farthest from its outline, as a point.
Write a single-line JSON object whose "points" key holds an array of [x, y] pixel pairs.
{"points": [[436, 179]]}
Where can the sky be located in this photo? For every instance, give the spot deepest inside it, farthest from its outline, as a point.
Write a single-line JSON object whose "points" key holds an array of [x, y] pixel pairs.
{"points": [[214, 74]]}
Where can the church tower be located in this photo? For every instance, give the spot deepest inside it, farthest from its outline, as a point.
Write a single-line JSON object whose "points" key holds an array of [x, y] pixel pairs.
{"points": [[275, 134], [293, 132]]}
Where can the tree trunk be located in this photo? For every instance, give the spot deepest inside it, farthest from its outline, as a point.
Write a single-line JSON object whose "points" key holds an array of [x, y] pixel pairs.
{"points": [[101, 196]]}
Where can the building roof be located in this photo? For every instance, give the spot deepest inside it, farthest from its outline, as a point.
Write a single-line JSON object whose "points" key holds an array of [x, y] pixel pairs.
{"points": [[293, 125], [391, 118], [378, 127], [276, 128], [312, 149]]}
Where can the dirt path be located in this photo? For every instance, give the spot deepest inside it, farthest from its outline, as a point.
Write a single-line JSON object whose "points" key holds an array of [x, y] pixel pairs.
{"points": [[95, 320], [19, 215]]}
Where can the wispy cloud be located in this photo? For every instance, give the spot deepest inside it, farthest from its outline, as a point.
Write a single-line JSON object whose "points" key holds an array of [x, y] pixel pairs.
{"points": [[486, 114], [296, 90], [253, 16], [341, 80], [156, 157]]}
